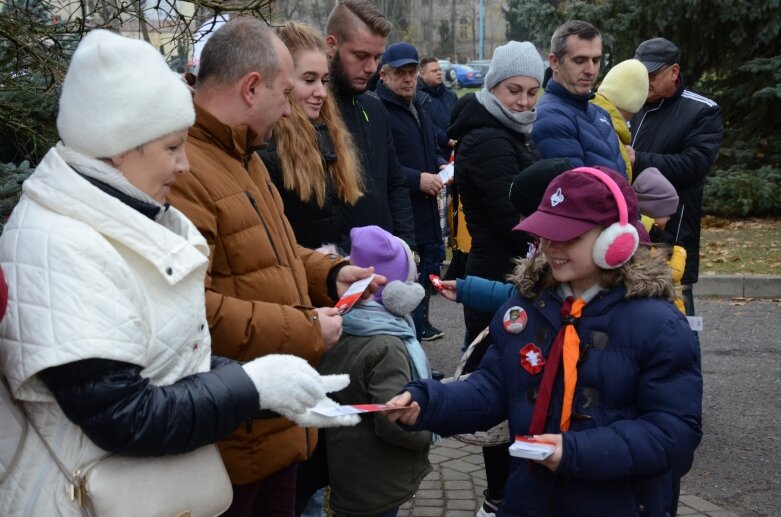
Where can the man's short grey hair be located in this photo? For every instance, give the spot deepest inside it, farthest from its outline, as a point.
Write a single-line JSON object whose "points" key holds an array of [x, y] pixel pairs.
{"points": [[241, 46], [578, 28]]}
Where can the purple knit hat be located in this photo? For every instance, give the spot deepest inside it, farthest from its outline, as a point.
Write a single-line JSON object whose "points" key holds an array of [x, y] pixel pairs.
{"points": [[656, 196], [390, 256]]}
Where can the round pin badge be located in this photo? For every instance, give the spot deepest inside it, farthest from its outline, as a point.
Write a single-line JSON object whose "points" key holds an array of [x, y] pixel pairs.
{"points": [[515, 319]]}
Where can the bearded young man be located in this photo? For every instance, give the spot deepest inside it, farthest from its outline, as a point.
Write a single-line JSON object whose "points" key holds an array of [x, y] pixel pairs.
{"points": [[355, 35]]}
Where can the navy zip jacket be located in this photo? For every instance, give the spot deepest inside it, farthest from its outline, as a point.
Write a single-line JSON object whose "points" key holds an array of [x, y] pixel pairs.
{"points": [[569, 126], [386, 201], [417, 152], [636, 412], [439, 104]]}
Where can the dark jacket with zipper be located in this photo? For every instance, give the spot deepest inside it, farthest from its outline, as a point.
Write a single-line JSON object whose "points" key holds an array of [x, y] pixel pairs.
{"points": [[488, 157], [417, 152], [386, 200], [260, 284], [439, 104], [313, 225], [681, 136]]}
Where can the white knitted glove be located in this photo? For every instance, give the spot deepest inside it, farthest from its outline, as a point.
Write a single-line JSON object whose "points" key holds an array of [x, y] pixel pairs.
{"points": [[333, 383], [311, 419], [285, 383]]}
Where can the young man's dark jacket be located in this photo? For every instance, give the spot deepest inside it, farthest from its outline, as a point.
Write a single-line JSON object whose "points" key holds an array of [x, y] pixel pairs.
{"points": [[439, 104], [680, 136], [417, 152], [386, 200]]}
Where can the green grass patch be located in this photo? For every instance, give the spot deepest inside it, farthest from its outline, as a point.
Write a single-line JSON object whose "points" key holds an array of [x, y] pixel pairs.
{"points": [[735, 246], [745, 246]]}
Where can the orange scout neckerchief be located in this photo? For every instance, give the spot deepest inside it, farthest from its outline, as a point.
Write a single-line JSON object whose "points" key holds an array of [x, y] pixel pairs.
{"points": [[566, 347]]}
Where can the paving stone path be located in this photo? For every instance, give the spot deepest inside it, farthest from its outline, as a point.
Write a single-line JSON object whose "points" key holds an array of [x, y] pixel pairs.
{"points": [[455, 487]]}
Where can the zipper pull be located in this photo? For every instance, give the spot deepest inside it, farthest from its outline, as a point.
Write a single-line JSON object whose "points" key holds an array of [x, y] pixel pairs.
{"points": [[77, 489]]}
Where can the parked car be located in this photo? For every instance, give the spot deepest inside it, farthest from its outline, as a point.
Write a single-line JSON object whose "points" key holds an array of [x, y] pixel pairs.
{"points": [[448, 74], [480, 64], [468, 77]]}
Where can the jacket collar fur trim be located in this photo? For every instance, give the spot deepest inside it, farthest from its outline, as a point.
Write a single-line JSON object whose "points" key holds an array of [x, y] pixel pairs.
{"points": [[645, 276]]}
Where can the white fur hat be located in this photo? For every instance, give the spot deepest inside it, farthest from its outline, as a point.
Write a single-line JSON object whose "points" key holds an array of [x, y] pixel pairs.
{"points": [[118, 94]]}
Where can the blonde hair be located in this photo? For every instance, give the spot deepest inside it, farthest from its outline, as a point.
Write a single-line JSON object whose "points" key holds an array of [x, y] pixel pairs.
{"points": [[303, 167]]}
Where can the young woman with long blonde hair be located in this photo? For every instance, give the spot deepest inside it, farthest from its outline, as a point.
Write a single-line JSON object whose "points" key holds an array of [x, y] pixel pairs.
{"points": [[311, 157]]}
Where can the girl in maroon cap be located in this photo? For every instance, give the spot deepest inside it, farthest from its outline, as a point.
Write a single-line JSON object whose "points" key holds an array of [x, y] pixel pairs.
{"points": [[589, 356]]}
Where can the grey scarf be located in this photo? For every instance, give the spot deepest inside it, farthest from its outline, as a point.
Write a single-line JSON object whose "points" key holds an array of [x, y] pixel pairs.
{"points": [[519, 122]]}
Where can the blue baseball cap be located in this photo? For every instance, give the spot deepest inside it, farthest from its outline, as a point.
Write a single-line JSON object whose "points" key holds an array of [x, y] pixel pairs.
{"points": [[400, 54]]}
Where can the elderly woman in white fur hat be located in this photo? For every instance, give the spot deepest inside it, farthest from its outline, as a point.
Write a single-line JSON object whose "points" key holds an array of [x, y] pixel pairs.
{"points": [[106, 344]]}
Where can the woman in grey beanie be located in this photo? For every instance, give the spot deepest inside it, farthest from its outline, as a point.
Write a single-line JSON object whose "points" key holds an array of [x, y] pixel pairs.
{"points": [[492, 129], [516, 69]]}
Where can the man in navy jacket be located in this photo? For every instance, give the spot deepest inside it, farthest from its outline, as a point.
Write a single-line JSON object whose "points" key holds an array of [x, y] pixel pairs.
{"points": [[568, 125], [413, 135]]}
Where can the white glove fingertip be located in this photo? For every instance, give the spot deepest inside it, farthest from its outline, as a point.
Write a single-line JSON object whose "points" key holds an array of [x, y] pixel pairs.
{"points": [[333, 383], [349, 420]]}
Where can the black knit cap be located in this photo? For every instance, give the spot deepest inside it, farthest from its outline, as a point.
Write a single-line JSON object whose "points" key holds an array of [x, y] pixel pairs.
{"points": [[528, 187]]}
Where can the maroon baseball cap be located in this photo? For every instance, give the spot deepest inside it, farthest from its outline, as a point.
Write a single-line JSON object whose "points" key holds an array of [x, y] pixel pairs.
{"points": [[576, 202]]}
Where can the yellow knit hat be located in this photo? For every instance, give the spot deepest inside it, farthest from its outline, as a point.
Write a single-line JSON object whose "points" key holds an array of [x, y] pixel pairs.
{"points": [[626, 85]]}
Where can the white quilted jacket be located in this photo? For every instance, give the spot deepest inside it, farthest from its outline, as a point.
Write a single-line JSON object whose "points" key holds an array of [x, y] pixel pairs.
{"points": [[90, 277]]}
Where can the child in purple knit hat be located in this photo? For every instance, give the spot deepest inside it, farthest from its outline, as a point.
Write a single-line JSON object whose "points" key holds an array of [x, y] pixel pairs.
{"points": [[657, 200], [376, 467]]}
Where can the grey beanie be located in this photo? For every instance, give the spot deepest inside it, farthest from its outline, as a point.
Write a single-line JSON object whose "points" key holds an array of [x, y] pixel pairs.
{"points": [[656, 196], [514, 58]]}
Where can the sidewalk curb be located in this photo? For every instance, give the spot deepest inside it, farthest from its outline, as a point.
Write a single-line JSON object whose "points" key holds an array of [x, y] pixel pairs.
{"points": [[727, 286], [745, 286]]}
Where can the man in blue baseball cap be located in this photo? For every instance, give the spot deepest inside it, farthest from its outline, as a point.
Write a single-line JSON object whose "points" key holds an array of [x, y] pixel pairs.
{"points": [[416, 146]]}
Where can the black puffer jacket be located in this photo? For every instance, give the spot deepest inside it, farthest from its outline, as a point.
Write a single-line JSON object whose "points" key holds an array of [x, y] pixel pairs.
{"points": [[313, 225], [680, 136], [488, 157]]}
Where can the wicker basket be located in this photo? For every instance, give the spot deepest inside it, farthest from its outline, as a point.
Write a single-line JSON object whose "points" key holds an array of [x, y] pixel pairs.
{"points": [[497, 435]]}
